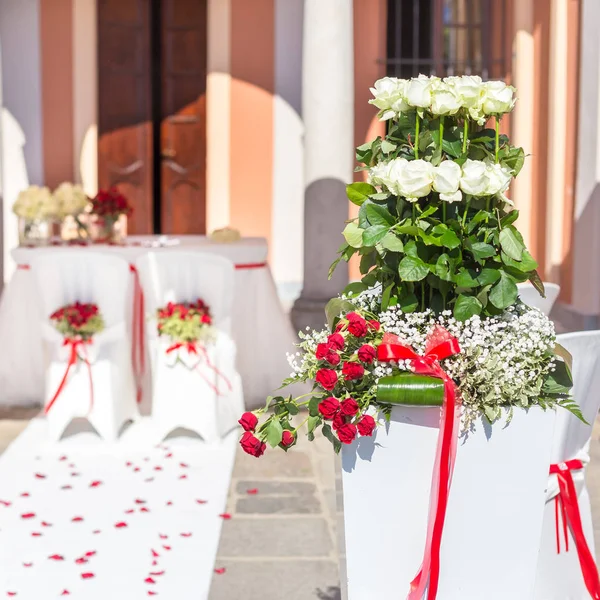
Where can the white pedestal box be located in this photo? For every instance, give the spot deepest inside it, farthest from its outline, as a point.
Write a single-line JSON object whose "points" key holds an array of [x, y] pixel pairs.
{"points": [[493, 523]]}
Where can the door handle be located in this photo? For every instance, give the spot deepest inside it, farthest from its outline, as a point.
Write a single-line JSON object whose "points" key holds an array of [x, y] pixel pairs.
{"points": [[168, 153]]}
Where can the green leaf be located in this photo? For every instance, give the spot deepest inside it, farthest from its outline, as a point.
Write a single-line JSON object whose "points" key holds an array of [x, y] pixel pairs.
{"points": [[313, 422], [374, 234], [537, 283], [515, 160], [292, 408], [392, 242], [574, 408], [481, 251], [488, 276], [379, 215], [387, 147], [525, 265], [466, 278], [466, 306], [411, 389], [385, 297], [563, 353], [450, 240], [359, 192], [353, 235], [442, 268], [408, 303], [504, 293], [510, 218], [354, 288], [313, 406], [274, 433], [412, 268], [510, 244], [328, 433], [407, 229], [336, 307]]}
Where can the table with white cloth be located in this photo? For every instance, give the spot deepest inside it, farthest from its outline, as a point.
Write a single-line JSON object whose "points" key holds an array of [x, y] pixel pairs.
{"points": [[260, 326]]}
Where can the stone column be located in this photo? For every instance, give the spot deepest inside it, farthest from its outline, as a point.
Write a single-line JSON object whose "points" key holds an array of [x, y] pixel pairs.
{"points": [[328, 112]]}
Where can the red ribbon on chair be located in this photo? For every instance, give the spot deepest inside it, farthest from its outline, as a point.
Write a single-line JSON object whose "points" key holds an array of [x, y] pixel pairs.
{"points": [[74, 343], [440, 345], [196, 348], [568, 505], [138, 333]]}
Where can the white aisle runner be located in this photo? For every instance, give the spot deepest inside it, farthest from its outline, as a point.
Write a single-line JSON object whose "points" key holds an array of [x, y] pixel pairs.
{"points": [[94, 521]]}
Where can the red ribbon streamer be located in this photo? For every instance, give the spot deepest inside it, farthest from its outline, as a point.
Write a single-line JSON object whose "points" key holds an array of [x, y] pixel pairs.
{"points": [[138, 334], [74, 343], [259, 265], [196, 348], [440, 345], [571, 516]]}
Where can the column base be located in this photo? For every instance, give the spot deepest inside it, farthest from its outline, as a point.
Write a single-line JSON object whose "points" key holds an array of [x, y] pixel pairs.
{"points": [[309, 312]]}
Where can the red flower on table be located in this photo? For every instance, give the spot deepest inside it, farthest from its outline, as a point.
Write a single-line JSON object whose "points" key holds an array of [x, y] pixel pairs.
{"points": [[326, 378], [252, 445], [338, 421], [366, 425], [352, 371]]}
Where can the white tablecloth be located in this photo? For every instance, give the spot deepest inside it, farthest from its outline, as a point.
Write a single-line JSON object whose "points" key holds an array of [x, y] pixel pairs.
{"points": [[260, 326]]}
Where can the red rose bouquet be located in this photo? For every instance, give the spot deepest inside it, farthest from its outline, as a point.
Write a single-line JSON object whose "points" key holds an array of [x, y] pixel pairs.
{"points": [[78, 321], [110, 204]]}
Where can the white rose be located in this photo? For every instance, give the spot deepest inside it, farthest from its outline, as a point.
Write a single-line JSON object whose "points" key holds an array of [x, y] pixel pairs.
{"points": [[468, 88], [446, 181], [498, 99], [444, 101], [415, 180], [389, 97], [499, 178], [393, 175], [378, 173], [474, 180], [70, 198], [35, 203], [418, 90]]}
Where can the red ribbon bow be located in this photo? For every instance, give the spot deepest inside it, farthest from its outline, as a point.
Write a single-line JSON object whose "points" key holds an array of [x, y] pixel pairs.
{"points": [[566, 503], [138, 345], [74, 343], [440, 345], [197, 348]]}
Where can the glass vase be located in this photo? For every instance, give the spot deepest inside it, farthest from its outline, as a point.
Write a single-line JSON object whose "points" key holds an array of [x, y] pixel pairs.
{"points": [[35, 232], [107, 230]]}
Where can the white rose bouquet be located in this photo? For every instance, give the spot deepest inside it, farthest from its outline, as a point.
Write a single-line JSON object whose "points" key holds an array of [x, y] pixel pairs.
{"points": [[71, 199], [36, 203]]}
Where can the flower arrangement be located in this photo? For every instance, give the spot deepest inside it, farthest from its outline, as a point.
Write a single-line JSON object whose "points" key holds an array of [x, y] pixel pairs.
{"points": [[440, 257], [110, 204], [78, 321], [185, 322], [71, 199], [36, 203]]}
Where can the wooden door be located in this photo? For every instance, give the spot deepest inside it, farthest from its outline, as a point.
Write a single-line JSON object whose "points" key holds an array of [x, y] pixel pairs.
{"points": [[183, 112], [125, 144]]}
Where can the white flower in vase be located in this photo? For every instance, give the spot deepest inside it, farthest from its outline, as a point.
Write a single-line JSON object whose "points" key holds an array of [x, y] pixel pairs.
{"points": [[35, 203], [419, 89], [415, 180], [389, 97], [498, 99], [474, 180], [499, 178], [446, 181], [71, 199], [444, 100]]}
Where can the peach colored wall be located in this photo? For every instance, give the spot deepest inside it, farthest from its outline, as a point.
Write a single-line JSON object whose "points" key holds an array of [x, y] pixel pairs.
{"points": [[252, 86], [370, 38], [56, 43]]}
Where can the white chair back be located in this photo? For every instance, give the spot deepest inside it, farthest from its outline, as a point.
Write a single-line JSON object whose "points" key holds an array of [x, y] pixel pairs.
{"points": [[530, 296], [185, 276], [571, 435], [64, 277]]}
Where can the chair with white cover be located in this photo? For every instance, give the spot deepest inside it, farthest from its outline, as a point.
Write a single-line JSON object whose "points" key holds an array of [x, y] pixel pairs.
{"points": [[201, 393], [560, 575], [104, 393], [530, 296]]}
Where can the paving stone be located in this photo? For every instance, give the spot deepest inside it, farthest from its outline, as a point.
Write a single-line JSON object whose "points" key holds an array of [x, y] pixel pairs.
{"points": [[268, 537], [276, 580], [274, 464], [287, 488], [282, 505]]}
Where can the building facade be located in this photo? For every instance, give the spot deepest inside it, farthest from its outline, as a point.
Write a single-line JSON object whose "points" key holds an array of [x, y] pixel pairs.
{"points": [[244, 113]]}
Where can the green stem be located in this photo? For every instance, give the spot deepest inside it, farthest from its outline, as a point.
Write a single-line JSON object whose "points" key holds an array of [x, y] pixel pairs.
{"points": [[464, 219], [465, 135], [487, 208], [443, 212], [441, 133], [417, 127], [422, 296], [497, 137], [301, 424], [414, 213]]}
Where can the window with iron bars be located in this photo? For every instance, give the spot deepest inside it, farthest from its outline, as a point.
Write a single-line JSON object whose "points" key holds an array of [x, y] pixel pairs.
{"points": [[448, 37]]}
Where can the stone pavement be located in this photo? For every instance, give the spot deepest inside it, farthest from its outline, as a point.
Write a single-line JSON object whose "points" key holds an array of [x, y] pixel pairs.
{"points": [[281, 540]]}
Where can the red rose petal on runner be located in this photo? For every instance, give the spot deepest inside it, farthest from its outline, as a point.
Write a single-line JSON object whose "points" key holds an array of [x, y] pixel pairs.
{"points": [[136, 470], [151, 593], [62, 458], [11, 593], [138, 501], [96, 531], [4, 503], [155, 554], [81, 561], [157, 573], [167, 547], [146, 459], [184, 465], [170, 455], [149, 580], [40, 476], [225, 516], [28, 564], [66, 487], [95, 484], [169, 503], [162, 536], [56, 557], [90, 553], [220, 571], [27, 515], [66, 593], [130, 511], [76, 519], [144, 509], [155, 563], [252, 492], [72, 466], [158, 468], [25, 495], [36, 534], [186, 535], [183, 477], [87, 575], [45, 524], [120, 524], [128, 464]]}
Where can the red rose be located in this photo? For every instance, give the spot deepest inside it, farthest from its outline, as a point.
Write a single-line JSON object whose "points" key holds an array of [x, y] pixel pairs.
{"points": [[357, 326], [333, 358], [322, 351], [349, 407], [347, 433], [326, 378], [248, 421], [252, 445], [366, 425], [352, 370], [287, 439], [374, 325], [366, 354], [329, 407], [338, 421], [336, 341]]}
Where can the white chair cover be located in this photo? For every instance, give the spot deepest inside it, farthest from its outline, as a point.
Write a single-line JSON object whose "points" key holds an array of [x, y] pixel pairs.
{"points": [[559, 576], [63, 278], [190, 393], [530, 296]]}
